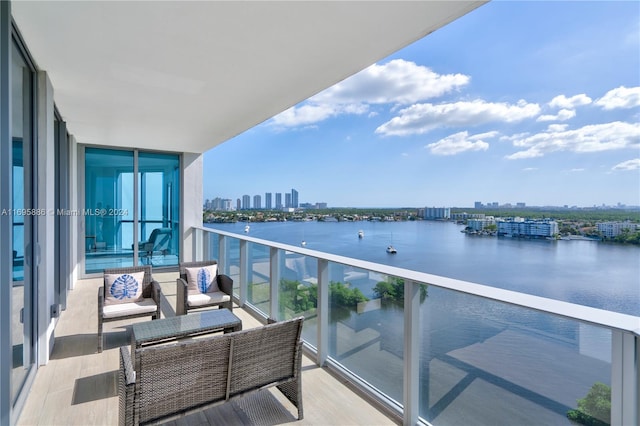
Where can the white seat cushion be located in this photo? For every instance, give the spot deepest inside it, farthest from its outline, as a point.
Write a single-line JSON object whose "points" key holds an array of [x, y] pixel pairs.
{"points": [[202, 299], [133, 308]]}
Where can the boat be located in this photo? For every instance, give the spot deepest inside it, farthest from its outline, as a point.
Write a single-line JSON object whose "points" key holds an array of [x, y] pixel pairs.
{"points": [[247, 228], [303, 243], [391, 249], [360, 234]]}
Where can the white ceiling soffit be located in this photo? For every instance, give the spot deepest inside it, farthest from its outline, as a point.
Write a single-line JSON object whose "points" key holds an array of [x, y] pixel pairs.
{"points": [[187, 76]]}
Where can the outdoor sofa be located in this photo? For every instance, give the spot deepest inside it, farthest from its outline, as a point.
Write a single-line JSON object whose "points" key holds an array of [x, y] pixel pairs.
{"points": [[167, 381]]}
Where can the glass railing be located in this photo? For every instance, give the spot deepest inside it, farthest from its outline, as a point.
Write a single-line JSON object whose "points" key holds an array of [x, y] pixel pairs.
{"points": [[439, 350]]}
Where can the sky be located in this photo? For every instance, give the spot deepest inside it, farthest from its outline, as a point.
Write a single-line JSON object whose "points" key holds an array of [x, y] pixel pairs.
{"points": [[534, 102]]}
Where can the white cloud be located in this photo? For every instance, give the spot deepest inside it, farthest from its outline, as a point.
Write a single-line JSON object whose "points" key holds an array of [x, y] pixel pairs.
{"points": [[397, 82], [562, 101], [422, 118], [562, 115], [529, 169], [460, 142], [577, 170], [622, 97], [557, 127], [628, 165], [591, 138], [309, 114]]}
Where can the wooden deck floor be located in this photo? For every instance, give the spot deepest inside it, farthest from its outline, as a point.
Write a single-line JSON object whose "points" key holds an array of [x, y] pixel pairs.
{"points": [[79, 385]]}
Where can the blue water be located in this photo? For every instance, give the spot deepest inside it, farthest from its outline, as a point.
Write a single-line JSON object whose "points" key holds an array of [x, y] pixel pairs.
{"points": [[590, 273]]}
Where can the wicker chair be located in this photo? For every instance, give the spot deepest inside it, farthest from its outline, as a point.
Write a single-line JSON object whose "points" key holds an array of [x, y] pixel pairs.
{"points": [[222, 299], [149, 305]]}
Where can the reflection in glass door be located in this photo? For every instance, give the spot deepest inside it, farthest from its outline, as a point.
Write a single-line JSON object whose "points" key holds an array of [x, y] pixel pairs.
{"points": [[131, 209], [108, 211], [158, 208], [23, 240]]}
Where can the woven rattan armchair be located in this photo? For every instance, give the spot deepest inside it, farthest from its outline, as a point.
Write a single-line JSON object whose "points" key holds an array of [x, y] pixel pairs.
{"points": [[148, 305], [223, 299]]}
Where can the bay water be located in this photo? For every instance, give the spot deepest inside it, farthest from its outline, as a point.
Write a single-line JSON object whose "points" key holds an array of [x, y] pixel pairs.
{"points": [[591, 273]]}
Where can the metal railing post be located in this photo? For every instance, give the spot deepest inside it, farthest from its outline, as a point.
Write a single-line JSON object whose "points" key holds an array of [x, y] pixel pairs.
{"points": [[625, 393], [206, 241], [222, 254], [411, 371], [274, 286], [244, 272], [322, 311]]}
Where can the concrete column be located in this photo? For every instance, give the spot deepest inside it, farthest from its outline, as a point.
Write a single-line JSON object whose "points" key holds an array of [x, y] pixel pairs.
{"points": [[191, 208]]}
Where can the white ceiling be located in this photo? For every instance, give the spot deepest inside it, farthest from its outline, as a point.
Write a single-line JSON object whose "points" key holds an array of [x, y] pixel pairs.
{"points": [[187, 76]]}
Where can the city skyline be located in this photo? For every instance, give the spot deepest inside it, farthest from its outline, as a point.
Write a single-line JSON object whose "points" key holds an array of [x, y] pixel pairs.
{"points": [[541, 105], [244, 202], [227, 203]]}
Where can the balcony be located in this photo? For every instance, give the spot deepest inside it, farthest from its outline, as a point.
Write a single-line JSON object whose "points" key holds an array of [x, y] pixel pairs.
{"points": [[416, 348], [79, 386]]}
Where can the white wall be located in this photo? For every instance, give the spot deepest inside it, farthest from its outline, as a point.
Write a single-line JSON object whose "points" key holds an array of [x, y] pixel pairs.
{"points": [[45, 171], [191, 204]]}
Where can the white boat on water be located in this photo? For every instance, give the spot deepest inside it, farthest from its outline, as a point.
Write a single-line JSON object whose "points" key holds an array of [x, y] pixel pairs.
{"points": [[360, 234], [391, 249], [247, 228]]}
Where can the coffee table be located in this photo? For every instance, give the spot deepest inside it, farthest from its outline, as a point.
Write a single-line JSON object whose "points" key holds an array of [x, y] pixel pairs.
{"points": [[174, 328]]}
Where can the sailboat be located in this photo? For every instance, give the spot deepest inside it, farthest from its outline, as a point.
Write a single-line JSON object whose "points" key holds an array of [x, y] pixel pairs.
{"points": [[361, 234], [390, 248]]}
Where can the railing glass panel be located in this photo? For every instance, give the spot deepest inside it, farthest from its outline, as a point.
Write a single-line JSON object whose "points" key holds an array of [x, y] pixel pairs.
{"points": [[232, 266], [483, 361], [365, 328], [258, 280], [298, 292], [213, 246]]}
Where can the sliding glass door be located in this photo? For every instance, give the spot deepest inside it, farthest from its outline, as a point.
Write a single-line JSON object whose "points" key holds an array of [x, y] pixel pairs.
{"points": [[23, 336], [158, 208], [131, 212]]}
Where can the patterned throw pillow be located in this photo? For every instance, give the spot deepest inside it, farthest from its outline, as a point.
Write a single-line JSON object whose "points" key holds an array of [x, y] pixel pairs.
{"points": [[123, 288], [202, 279]]}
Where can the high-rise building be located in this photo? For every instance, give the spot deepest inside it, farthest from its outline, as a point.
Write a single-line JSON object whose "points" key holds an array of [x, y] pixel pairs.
{"points": [[279, 201], [238, 205], [437, 213], [294, 198], [246, 202], [257, 202], [267, 201], [287, 201]]}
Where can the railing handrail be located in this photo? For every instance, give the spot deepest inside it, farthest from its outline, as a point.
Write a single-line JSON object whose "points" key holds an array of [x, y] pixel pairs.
{"points": [[585, 314]]}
